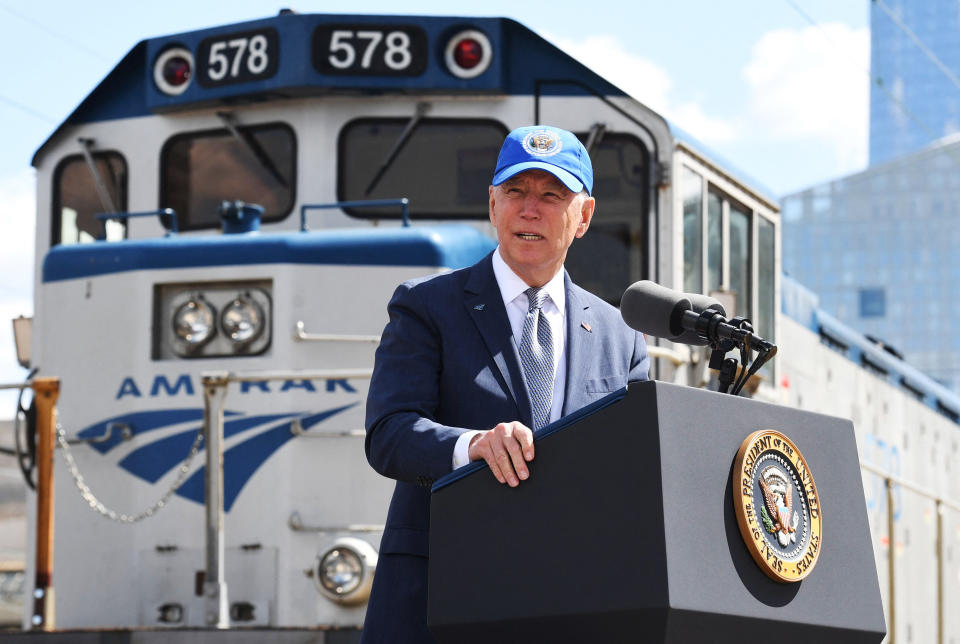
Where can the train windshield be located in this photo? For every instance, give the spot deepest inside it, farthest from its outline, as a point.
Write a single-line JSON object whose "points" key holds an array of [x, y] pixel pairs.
{"points": [[612, 255], [443, 166], [253, 164], [83, 188]]}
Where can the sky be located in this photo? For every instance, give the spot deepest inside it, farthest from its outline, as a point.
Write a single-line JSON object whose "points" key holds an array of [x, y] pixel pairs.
{"points": [[780, 88]]}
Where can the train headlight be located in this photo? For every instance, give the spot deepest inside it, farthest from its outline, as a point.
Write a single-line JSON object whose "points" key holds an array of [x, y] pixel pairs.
{"points": [[212, 319], [242, 320], [344, 573], [173, 70], [193, 322], [468, 53]]}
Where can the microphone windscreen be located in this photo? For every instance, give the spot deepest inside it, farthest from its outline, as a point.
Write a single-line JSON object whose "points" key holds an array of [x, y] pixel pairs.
{"points": [[699, 303], [653, 309]]}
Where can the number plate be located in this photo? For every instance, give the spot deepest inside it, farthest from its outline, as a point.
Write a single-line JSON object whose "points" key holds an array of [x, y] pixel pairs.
{"points": [[370, 50], [237, 58]]}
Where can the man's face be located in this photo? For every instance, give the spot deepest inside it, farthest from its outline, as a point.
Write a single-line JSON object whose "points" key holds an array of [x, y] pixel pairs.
{"points": [[537, 218]]}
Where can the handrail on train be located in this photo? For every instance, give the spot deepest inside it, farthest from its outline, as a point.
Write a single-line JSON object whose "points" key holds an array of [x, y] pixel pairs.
{"points": [[162, 212], [214, 396], [890, 482], [403, 202]]}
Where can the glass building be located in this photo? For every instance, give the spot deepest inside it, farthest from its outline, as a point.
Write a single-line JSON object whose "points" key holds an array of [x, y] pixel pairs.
{"points": [[882, 250], [913, 101]]}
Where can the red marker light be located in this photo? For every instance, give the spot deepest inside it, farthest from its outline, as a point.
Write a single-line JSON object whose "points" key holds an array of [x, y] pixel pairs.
{"points": [[176, 71], [468, 53], [173, 70]]}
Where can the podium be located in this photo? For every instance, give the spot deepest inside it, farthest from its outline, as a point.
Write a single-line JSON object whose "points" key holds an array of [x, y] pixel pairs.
{"points": [[626, 532]]}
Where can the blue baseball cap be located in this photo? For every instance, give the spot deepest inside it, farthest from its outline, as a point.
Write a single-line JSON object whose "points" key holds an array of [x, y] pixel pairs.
{"points": [[545, 148]]}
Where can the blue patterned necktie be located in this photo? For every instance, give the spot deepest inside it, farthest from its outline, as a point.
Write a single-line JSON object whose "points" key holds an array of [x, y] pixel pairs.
{"points": [[536, 356]]}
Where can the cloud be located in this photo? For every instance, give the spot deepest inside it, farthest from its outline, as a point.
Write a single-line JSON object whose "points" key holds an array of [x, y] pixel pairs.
{"points": [[647, 82], [17, 194], [812, 83]]}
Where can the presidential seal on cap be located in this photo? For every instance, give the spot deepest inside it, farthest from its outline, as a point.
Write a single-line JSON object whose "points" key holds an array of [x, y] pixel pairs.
{"points": [[777, 506], [542, 143], [542, 147]]}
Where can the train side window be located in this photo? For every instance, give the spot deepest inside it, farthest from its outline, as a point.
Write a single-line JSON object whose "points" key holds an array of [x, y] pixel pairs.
{"points": [[77, 200], [740, 259], [714, 241], [198, 170], [613, 253], [692, 186], [730, 254], [766, 274], [443, 166]]}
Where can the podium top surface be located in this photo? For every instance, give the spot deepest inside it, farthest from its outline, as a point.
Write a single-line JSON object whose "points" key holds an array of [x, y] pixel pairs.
{"points": [[543, 432]]}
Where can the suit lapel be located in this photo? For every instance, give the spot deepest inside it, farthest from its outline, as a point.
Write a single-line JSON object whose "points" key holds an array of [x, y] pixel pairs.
{"points": [[485, 307], [582, 330]]}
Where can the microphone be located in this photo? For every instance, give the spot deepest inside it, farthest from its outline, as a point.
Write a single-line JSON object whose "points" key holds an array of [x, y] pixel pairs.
{"points": [[699, 304], [688, 318]]}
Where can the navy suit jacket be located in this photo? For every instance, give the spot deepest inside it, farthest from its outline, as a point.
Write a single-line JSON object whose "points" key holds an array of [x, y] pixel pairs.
{"points": [[448, 362]]}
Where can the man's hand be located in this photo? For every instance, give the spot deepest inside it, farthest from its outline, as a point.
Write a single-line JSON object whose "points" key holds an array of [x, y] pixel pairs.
{"points": [[506, 448]]}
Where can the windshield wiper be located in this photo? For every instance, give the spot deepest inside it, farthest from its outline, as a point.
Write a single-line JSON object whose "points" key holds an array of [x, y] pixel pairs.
{"points": [[247, 141], [597, 130], [86, 146], [421, 110]]}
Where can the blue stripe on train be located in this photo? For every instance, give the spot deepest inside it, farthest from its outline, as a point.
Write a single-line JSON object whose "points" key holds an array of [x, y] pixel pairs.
{"points": [[242, 460], [449, 246], [152, 461]]}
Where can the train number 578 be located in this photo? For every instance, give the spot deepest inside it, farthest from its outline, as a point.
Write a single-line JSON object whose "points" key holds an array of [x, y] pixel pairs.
{"points": [[237, 58], [369, 50]]}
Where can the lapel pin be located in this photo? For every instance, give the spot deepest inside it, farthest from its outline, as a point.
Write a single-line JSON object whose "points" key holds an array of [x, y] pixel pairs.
{"points": [[586, 326], [479, 307]]}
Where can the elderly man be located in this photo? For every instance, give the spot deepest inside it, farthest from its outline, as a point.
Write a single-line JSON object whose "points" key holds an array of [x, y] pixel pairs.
{"points": [[473, 361]]}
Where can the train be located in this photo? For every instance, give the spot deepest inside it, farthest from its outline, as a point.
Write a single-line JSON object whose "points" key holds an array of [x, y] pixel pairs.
{"points": [[242, 200]]}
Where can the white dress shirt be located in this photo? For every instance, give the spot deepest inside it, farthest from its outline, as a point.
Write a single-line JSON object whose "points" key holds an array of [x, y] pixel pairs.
{"points": [[513, 290]]}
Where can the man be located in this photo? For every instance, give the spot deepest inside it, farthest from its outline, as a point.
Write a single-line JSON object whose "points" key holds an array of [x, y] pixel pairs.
{"points": [[471, 360]]}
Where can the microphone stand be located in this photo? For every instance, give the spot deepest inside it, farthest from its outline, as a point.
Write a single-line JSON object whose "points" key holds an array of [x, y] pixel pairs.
{"points": [[726, 367], [724, 336]]}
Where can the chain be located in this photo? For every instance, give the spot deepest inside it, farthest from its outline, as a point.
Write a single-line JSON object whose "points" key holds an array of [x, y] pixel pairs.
{"points": [[98, 505]]}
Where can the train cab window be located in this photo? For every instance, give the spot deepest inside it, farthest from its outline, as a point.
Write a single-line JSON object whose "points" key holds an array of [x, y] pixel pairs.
{"points": [[443, 166], [733, 253], [692, 186], [81, 192], [739, 247], [612, 255], [256, 164], [714, 241], [766, 273], [740, 260]]}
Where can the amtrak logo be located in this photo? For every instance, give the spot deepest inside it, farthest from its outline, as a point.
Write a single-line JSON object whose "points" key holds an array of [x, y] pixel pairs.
{"points": [[263, 435], [542, 143]]}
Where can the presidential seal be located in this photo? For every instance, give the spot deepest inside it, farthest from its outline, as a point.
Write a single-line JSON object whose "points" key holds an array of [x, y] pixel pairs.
{"points": [[542, 143], [777, 506]]}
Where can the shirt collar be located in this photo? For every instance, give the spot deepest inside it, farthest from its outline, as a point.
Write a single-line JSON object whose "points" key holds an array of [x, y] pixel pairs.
{"points": [[512, 285]]}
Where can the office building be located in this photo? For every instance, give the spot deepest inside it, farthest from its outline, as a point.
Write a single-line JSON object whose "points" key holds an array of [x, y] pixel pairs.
{"points": [[882, 250], [914, 99]]}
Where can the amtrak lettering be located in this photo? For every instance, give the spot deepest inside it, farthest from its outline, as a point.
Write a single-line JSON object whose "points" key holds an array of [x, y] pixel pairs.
{"points": [[183, 385]]}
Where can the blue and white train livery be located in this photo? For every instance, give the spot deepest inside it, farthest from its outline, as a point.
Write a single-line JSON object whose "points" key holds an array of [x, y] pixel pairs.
{"points": [[245, 198]]}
